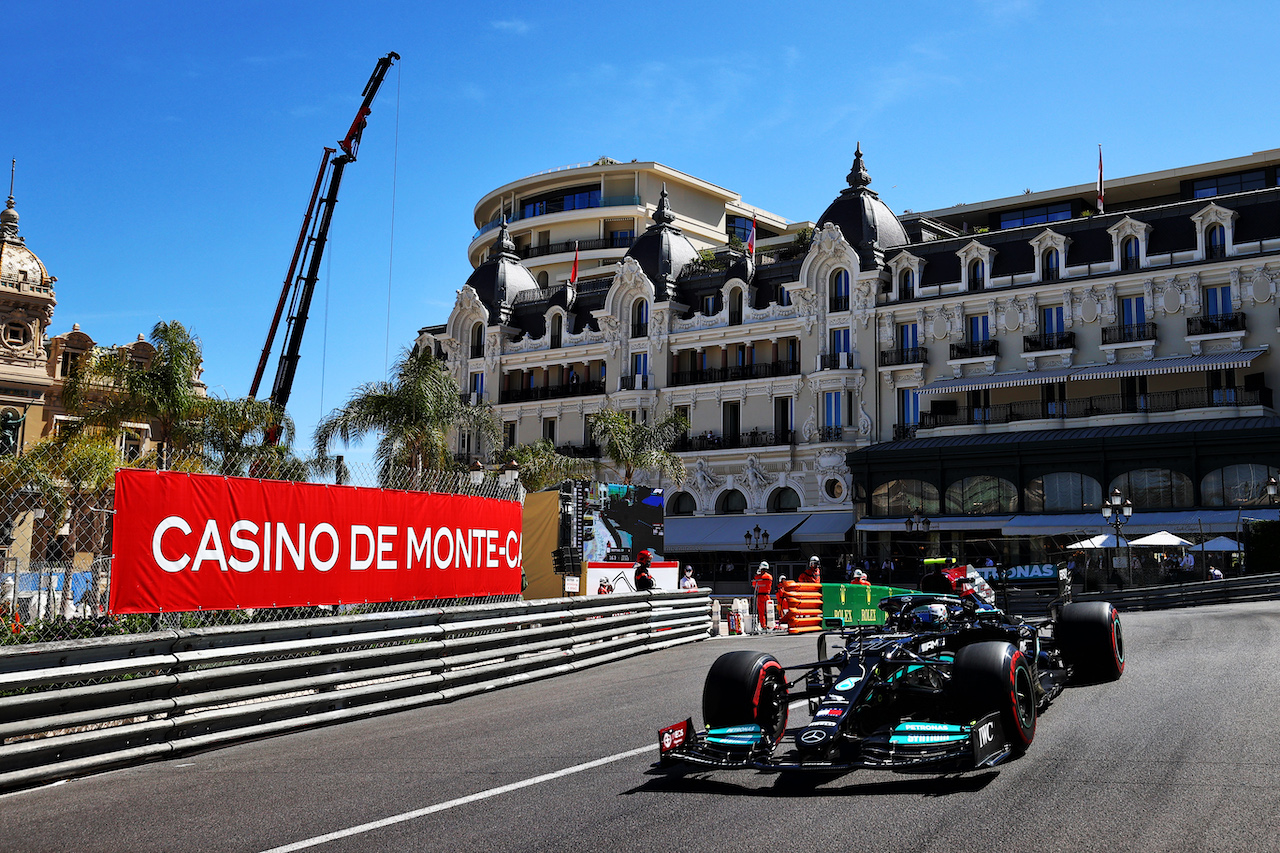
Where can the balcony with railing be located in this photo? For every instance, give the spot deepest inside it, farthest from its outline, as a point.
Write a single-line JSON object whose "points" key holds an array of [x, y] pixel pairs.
{"points": [[904, 355], [1129, 334], [762, 370], [639, 330], [832, 433], [591, 450], [1216, 324], [477, 350], [838, 303], [975, 349], [835, 361], [752, 438], [558, 206], [551, 392], [617, 241], [1048, 341], [904, 431], [639, 382], [1099, 405]]}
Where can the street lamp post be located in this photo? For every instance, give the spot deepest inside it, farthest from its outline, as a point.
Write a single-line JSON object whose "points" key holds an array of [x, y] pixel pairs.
{"points": [[1117, 511], [757, 539]]}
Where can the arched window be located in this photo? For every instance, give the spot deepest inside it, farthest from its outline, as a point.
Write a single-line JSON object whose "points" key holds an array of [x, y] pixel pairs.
{"points": [[682, 503], [1050, 266], [1237, 485], [1129, 256], [907, 284], [981, 495], [735, 307], [839, 290], [1216, 242], [557, 331], [543, 279], [732, 502], [477, 340], [977, 275], [1155, 488], [1063, 491], [903, 497], [784, 499], [639, 319]]}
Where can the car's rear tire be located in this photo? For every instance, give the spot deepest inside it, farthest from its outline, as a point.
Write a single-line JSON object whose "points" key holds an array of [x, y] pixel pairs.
{"points": [[743, 688], [996, 676], [1089, 635]]}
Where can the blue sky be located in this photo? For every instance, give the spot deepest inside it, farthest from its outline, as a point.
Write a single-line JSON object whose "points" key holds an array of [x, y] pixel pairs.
{"points": [[166, 149]]}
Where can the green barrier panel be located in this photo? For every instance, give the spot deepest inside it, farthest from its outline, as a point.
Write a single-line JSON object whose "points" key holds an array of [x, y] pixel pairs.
{"points": [[855, 603]]}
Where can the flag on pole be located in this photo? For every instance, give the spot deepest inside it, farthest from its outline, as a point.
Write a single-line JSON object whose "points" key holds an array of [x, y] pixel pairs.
{"points": [[1099, 177], [751, 240], [573, 273]]}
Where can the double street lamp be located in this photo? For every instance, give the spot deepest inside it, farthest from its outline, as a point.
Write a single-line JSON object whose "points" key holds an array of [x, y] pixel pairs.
{"points": [[1117, 510]]}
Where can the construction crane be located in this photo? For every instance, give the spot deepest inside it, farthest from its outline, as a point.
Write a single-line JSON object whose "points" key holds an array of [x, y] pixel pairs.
{"points": [[309, 250]]}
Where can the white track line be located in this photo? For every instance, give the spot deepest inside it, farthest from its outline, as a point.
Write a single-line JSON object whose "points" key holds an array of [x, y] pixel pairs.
{"points": [[461, 801]]}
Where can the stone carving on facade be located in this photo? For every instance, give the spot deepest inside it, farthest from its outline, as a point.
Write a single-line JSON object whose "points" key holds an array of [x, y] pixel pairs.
{"points": [[810, 428], [864, 419], [704, 482], [1193, 293], [630, 274], [756, 479], [492, 350], [452, 351], [469, 302], [829, 243], [611, 328], [1262, 284], [806, 304]]}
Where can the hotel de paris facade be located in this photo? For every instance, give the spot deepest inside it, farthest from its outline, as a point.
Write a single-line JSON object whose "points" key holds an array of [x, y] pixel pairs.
{"points": [[972, 381]]}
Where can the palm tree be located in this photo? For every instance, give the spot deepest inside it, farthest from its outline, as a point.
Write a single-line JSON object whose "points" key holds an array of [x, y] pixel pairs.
{"points": [[109, 388], [541, 465], [637, 445], [414, 414], [248, 436]]}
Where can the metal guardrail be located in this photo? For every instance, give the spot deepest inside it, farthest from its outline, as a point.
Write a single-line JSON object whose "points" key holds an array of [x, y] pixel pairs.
{"points": [[1194, 594], [76, 707]]}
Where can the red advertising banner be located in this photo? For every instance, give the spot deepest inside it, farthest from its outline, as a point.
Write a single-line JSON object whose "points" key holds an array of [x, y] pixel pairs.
{"points": [[204, 542]]}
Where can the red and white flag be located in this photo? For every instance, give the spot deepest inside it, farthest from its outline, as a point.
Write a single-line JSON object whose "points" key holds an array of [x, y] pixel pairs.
{"points": [[751, 240], [1099, 177], [573, 273]]}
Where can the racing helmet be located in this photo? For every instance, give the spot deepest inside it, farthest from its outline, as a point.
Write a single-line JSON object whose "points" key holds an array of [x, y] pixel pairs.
{"points": [[929, 616]]}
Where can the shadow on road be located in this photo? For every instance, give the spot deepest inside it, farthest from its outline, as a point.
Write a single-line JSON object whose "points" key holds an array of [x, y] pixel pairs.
{"points": [[813, 784]]}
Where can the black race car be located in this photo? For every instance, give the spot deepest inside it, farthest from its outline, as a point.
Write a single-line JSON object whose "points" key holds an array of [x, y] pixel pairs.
{"points": [[948, 683]]}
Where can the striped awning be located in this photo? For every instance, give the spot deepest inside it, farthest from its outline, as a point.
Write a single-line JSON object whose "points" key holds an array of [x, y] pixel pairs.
{"points": [[1170, 364], [997, 380]]}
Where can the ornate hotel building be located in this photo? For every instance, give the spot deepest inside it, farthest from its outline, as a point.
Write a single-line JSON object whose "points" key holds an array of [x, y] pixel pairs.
{"points": [[970, 381]]}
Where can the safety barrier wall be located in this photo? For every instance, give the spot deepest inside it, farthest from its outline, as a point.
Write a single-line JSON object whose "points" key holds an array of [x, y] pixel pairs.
{"points": [[1247, 588], [74, 707]]}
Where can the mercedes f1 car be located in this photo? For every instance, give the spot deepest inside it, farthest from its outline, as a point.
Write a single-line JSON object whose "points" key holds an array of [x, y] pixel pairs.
{"points": [[948, 683]]}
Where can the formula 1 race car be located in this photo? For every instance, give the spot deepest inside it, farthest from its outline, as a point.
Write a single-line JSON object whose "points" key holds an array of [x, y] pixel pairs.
{"points": [[948, 683]]}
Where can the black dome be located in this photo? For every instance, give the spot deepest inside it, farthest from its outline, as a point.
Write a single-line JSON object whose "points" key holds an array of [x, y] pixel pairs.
{"points": [[663, 251], [866, 222], [501, 277]]}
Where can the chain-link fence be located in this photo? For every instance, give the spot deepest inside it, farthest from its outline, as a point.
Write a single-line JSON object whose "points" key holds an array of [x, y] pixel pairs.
{"points": [[56, 543]]}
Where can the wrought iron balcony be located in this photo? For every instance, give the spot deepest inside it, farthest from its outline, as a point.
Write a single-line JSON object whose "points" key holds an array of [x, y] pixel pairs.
{"points": [[1131, 333], [477, 350], [551, 392], [642, 382], [1216, 323], [904, 355], [903, 431], [838, 303], [639, 330], [743, 371], [613, 241], [975, 349], [753, 438], [1049, 341], [580, 451]]}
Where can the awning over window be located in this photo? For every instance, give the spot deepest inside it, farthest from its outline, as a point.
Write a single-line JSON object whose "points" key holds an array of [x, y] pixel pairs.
{"points": [[1170, 364], [1181, 522], [725, 532], [997, 380], [829, 527], [945, 522]]}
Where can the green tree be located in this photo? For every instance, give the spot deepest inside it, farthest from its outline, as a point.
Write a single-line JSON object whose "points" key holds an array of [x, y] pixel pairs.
{"points": [[414, 414], [636, 445], [541, 465], [247, 436], [109, 388]]}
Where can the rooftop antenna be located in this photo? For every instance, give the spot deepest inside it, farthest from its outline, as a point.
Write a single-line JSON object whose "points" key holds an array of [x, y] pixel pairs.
{"points": [[13, 168]]}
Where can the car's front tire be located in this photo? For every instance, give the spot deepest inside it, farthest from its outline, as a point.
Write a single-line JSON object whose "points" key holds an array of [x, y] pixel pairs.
{"points": [[743, 688], [996, 676], [1091, 640]]}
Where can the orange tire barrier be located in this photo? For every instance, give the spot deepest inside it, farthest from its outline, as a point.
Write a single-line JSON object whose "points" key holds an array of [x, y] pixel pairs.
{"points": [[801, 604]]}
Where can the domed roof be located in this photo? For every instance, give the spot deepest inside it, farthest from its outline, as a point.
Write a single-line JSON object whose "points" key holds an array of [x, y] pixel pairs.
{"points": [[501, 276], [663, 251], [17, 262], [866, 222]]}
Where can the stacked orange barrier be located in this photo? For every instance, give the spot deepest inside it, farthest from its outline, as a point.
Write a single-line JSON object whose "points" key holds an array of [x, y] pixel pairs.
{"points": [[801, 605]]}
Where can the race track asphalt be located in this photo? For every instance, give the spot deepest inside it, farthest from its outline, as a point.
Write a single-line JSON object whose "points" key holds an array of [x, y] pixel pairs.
{"points": [[1181, 754]]}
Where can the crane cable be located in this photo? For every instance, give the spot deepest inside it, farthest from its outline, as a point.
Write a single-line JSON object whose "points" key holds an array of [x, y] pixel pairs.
{"points": [[391, 250]]}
